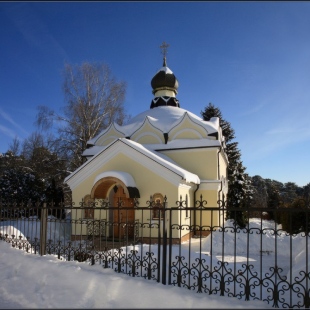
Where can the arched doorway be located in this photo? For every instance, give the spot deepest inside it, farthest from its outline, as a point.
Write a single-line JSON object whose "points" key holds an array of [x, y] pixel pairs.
{"points": [[121, 213]]}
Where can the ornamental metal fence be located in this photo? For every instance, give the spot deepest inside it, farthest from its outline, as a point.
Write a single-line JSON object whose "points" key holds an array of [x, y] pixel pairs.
{"points": [[191, 246]]}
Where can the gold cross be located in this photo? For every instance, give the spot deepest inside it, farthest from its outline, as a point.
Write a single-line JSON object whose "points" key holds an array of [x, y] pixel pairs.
{"points": [[164, 48]]}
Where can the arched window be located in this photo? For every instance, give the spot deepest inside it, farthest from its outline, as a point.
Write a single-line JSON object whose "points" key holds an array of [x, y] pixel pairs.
{"points": [[157, 206]]}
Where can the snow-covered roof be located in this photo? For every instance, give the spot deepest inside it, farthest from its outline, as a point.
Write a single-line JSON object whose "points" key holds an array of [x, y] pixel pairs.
{"points": [[156, 157], [93, 150], [164, 118], [165, 69]]}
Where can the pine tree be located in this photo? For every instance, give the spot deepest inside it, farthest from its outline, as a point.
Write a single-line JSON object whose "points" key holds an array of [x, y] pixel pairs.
{"points": [[239, 184], [32, 176], [306, 193], [290, 192], [21, 185], [260, 195]]}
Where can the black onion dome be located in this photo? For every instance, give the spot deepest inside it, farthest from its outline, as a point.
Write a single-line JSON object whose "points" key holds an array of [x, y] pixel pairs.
{"points": [[164, 79]]}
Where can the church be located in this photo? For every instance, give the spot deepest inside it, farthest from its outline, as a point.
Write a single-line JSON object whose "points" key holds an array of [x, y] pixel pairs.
{"points": [[165, 151]]}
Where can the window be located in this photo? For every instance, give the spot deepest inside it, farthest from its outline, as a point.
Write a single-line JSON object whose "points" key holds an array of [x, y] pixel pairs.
{"points": [[157, 206], [88, 207]]}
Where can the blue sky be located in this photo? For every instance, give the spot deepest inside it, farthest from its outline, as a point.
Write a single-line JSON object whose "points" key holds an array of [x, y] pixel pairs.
{"points": [[250, 59]]}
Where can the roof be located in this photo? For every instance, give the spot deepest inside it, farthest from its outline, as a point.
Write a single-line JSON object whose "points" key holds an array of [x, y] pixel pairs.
{"points": [[164, 118], [164, 78], [126, 146]]}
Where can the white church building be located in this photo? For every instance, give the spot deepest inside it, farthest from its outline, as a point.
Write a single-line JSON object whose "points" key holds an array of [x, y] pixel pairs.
{"points": [[165, 151]]}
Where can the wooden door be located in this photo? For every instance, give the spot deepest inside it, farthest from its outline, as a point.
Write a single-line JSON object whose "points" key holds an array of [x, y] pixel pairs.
{"points": [[123, 214]]}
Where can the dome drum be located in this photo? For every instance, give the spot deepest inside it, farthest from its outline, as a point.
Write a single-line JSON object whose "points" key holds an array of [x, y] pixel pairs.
{"points": [[164, 101]]}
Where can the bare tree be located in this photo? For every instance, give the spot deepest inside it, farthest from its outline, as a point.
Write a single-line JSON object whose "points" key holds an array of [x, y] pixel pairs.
{"points": [[93, 100], [14, 146], [34, 141], [41, 158]]}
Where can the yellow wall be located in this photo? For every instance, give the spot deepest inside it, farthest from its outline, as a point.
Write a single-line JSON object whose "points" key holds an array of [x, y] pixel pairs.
{"points": [[148, 138], [145, 179], [202, 162], [207, 217], [149, 183], [223, 165]]}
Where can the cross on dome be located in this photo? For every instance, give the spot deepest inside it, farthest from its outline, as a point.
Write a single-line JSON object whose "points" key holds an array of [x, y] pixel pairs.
{"points": [[164, 50], [164, 84]]}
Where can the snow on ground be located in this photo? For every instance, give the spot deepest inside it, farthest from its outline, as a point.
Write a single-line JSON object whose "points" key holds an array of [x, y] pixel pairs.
{"points": [[60, 231], [262, 237], [32, 281]]}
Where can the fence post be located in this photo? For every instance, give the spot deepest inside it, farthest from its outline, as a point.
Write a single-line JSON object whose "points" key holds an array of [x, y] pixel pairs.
{"points": [[43, 230], [164, 260]]}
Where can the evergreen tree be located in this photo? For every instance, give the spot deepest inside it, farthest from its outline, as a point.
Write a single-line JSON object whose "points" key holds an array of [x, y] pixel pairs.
{"points": [[21, 185], [306, 194], [10, 160], [31, 173], [239, 184], [260, 195], [54, 196], [273, 197], [290, 192]]}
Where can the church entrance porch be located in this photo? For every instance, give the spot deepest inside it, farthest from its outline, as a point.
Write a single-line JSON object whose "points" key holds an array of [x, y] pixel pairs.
{"points": [[118, 220]]}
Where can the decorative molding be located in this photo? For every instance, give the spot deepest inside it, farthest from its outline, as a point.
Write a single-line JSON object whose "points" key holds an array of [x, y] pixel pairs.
{"points": [[143, 134], [106, 132], [146, 121], [188, 130], [189, 150]]}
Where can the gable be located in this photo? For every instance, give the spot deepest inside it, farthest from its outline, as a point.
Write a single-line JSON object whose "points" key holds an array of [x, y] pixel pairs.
{"points": [[147, 134], [109, 135], [187, 128], [121, 153]]}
